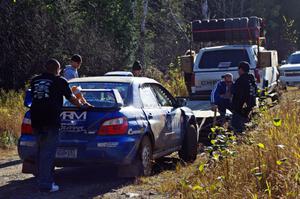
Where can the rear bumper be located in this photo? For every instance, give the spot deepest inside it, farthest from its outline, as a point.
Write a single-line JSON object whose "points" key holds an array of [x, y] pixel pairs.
{"points": [[116, 150]]}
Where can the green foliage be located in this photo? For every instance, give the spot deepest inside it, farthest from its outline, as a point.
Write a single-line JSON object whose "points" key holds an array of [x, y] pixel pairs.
{"points": [[172, 79], [11, 113], [107, 33]]}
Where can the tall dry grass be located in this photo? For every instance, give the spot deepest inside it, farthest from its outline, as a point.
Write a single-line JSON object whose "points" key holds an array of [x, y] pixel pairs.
{"points": [[265, 162], [11, 114]]}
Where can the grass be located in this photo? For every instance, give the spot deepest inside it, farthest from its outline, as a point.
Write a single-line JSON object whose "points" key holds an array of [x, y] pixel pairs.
{"points": [[11, 114], [265, 163]]}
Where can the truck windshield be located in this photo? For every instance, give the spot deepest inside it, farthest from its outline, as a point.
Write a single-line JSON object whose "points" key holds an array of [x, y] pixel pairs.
{"points": [[294, 59], [223, 58], [121, 87]]}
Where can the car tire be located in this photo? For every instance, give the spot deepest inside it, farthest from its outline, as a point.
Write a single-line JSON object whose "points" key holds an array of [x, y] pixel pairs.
{"points": [[188, 151], [145, 157]]}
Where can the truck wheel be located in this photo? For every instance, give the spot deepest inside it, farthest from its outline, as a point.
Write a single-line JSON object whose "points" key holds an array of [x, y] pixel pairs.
{"points": [[145, 157], [188, 151]]}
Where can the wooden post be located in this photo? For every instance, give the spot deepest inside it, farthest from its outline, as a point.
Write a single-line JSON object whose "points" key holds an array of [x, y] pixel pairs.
{"points": [[215, 117]]}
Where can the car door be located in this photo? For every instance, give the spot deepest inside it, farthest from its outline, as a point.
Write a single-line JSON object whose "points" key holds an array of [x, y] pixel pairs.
{"points": [[172, 131], [155, 115]]}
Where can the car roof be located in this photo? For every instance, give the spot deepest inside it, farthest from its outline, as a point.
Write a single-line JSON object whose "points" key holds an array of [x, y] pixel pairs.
{"points": [[296, 53], [229, 47], [120, 79], [119, 73]]}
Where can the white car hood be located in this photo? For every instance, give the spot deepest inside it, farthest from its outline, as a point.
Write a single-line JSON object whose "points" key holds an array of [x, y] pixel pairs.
{"points": [[290, 67]]}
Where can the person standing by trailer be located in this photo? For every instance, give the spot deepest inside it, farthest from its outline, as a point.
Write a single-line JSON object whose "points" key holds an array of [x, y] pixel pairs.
{"points": [[189, 76], [221, 95], [71, 71], [244, 97], [47, 91]]}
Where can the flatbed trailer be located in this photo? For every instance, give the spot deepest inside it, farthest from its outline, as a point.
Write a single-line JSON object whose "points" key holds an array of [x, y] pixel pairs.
{"points": [[205, 117]]}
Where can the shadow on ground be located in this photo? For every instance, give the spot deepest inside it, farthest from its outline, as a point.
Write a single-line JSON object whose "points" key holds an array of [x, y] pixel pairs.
{"points": [[84, 182]]}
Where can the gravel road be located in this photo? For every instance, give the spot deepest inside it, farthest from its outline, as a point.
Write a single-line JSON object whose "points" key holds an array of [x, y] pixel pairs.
{"points": [[94, 182]]}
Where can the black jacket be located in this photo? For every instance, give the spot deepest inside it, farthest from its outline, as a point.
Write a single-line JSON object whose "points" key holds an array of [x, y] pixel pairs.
{"points": [[47, 99], [244, 95]]}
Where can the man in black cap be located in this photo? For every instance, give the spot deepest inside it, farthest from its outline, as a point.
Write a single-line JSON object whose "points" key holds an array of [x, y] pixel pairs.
{"points": [[48, 90], [70, 71], [136, 69], [244, 97]]}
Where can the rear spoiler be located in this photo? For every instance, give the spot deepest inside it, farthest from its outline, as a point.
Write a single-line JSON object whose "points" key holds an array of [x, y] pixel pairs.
{"points": [[115, 92]]}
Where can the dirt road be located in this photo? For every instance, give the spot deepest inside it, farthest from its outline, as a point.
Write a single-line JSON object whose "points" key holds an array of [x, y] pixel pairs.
{"points": [[96, 182]]}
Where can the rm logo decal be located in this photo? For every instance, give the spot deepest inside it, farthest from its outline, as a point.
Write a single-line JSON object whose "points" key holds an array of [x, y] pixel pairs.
{"points": [[71, 115]]}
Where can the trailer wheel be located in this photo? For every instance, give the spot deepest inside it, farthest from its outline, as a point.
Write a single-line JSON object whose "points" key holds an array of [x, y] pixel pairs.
{"points": [[188, 151]]}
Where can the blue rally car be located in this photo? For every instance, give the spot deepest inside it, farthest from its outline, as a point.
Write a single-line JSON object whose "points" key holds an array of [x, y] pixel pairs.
{"points": [[134, 121]]}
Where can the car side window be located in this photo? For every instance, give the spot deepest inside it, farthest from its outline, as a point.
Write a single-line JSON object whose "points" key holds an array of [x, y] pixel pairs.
{"points": [[163, 97], [148, 98]]}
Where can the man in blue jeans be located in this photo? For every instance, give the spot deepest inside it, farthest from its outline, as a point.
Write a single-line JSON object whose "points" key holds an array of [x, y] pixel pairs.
{"points": [[47, 91], [221, 95]]}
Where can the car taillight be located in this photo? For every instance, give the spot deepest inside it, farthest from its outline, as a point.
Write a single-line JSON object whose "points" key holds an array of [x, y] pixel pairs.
{"points": [[116, 126], [257, 75], [26, 126], [193, 83]]}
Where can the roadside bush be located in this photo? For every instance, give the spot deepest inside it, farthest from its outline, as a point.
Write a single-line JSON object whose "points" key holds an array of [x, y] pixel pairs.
{"points": [[11, 114], [172, 79]]}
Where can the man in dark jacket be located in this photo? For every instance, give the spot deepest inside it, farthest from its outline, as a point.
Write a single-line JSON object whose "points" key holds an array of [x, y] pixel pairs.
{"points": [[221, 95], [244, 97], [136, 69], [48, 90]]}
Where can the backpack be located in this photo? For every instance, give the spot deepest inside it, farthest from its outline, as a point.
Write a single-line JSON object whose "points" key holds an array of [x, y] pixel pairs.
{"points": [[251, 102], [251, 99]]}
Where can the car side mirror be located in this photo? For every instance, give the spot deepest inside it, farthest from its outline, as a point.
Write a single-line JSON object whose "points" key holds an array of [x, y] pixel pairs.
{"points": [[181, 101], [28, 98], [283, 62]]}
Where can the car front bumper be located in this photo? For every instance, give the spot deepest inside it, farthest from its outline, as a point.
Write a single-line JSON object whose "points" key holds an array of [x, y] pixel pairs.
{"points": [[290, 80]]}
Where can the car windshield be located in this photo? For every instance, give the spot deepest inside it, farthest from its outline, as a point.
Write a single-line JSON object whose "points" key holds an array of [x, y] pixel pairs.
{"points": [[294, 59], [123, 88], [223, 58], [99, 99]]}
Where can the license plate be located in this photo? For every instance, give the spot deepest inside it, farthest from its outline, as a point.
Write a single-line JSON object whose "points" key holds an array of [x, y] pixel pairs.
{"points": [[66, 153]]}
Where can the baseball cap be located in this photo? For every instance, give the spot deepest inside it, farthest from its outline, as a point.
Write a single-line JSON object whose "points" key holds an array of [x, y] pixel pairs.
{"points": [[76, 58], [227, 74]]}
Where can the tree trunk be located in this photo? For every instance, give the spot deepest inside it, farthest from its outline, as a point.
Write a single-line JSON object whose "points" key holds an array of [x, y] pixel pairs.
{"points": [[141, 50], [242, 8], [205, 11], [133, 9], [178, 23]]}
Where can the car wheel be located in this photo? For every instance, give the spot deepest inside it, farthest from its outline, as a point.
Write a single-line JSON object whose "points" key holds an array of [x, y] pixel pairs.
{"points": [[188, 151], [145, 157]]}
